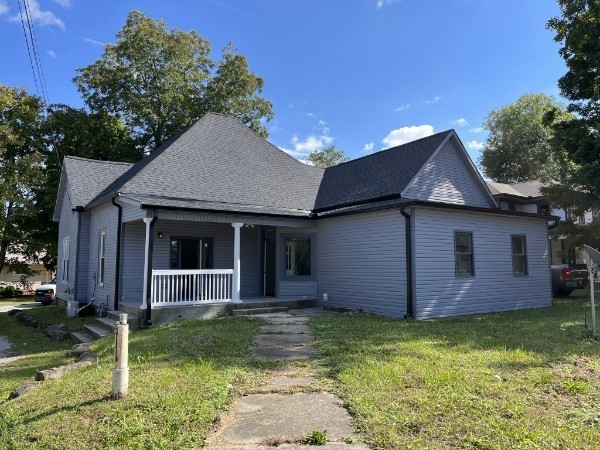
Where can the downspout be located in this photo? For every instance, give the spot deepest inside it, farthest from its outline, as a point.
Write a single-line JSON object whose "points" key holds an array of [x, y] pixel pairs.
{"points": [[77, 250], [148, 320], [118, 256], [409, 271]]}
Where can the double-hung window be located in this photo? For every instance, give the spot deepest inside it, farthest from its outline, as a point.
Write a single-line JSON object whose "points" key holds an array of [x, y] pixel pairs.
{"points": [[298, 256], [101, 257], [519, 255], [463, 253], [65, 259]]}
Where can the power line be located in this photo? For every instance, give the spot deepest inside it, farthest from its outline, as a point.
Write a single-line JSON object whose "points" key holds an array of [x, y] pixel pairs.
{"points": [[36, 52], [28, 50]]}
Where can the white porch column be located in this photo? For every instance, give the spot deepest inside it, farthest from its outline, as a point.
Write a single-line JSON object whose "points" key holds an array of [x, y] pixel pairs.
{"points": [[236, 263], [148, 222]]}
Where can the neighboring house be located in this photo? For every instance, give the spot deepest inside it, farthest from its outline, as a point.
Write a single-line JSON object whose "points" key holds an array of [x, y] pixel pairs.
{"points": [[218, 215], [527, 197], [21, 281]]}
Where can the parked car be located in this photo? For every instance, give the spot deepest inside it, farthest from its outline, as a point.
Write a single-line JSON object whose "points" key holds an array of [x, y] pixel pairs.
{"points": [[46, 293], [567, 277]]}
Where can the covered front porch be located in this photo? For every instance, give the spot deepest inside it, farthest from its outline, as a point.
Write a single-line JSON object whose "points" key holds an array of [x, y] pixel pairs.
{"points": [[213, 262]]}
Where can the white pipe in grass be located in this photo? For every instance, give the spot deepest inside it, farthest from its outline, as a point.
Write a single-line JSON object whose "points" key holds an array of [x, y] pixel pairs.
{"points": [[120, 373]]}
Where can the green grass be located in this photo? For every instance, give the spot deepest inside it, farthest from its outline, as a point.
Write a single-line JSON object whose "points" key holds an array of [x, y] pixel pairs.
{"points": [[56, 315], [525, 379], [181, 377], [16, 301]]}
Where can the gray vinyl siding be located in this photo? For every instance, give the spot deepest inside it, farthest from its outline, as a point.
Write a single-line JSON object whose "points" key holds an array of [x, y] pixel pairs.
{"points": [[361, 262], [439, 292], [132, 212], [296, 289], [67, 228], [83, 262], [222, 236], [102, 217], [447, 178]]}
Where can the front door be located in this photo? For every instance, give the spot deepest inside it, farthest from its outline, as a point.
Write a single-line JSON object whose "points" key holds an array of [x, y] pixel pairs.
{"points": [[190, 254], [268, 263]]}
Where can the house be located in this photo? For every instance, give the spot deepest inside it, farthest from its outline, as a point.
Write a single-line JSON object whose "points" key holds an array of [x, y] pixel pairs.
{"points": [[37, 275], [218, 216], [528, 197]]}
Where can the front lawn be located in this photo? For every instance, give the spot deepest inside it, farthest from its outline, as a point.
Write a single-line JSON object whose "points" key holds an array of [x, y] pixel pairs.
{"points": [[525, 379], [181, 377], [16, 301]]}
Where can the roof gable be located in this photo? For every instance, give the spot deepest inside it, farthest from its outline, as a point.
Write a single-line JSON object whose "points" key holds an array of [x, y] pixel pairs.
{"points": [[449, 176]]}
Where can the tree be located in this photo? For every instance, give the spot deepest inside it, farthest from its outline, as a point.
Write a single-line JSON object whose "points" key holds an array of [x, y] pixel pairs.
{"points": [[327, 157], [518, 147], [159, 82], [21, 170], [578, 32]]}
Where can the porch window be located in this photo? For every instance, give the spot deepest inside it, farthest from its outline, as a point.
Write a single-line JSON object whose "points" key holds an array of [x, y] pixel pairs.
{"points": [[463, 252], [298, 256], [190, 253], [101, 257], [65, 259], [519, 255]]}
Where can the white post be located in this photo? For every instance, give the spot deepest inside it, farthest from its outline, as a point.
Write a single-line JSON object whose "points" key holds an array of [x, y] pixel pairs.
{"points": [[236, 263], [120, 374], [591, 281], [148, 222]]}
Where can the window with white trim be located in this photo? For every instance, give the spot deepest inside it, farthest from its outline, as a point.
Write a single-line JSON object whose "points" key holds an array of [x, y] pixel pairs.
{"points": [[463, 253], [298, 256], [101, 257], [519, 255], [65, 259]]}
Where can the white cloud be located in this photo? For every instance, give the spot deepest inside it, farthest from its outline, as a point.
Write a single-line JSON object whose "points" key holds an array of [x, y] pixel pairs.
{"points": [[476, 130], [64, 3], [406, 134], [433, 100], [41, 18], [368, 148], [462, 122], [475, 145], [4, 8], [51, 53], [93, 41], [303, 147], [381, 3], [402, 107]]}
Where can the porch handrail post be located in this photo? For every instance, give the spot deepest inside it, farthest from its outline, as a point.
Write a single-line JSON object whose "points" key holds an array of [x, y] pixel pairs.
{"points": [[148, 222], [236, 262]]}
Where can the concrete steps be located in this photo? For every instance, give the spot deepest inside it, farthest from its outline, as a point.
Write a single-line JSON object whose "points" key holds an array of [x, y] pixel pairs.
{"points": [[104, 326], [254, 311]]}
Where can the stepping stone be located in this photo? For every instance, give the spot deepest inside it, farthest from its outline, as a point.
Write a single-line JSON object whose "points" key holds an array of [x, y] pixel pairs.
{"points": [[260, 418], [282, 340], [287, 353], [283, 382], [291, 319], [328, 446], [287, 329]]}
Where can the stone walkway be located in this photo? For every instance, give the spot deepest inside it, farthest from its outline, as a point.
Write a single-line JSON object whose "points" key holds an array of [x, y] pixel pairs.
{"points": [[291, 404]]}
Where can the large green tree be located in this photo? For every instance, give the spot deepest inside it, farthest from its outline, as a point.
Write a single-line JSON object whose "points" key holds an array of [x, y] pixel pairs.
{"points": [[518, 147], [22, 147], [159, 81], [327, 157], [578, 32]]}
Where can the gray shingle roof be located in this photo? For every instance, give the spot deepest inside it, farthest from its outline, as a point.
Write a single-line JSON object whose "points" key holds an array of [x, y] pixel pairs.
{"points": [[219, 164], [527, 189], [383, 173], [88, 177]]}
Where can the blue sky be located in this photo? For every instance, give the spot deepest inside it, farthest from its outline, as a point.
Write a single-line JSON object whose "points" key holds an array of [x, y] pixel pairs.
{"points": [[360, 74]]}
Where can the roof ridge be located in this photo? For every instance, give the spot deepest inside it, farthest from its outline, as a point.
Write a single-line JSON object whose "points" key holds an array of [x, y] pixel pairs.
{"points": [[394, 148], [101, 161]]}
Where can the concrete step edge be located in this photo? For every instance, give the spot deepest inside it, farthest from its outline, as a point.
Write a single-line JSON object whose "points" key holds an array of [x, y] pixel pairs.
{"points": [[96, 331], [80, 337]]}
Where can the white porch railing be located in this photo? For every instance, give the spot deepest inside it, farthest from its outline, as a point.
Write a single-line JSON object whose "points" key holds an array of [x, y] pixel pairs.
{"points": [[191, 287]]}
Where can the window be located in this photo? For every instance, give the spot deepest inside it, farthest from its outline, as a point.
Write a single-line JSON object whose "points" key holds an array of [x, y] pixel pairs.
{"points": [[101, 257], [463, 250], [65, 259], [298, 256], [190, 253], [519, 255]]}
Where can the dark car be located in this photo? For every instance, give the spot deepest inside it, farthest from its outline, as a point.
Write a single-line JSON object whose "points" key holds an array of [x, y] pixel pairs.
{"points": [[46, 293], [567, 277]]}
